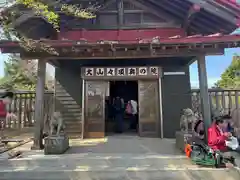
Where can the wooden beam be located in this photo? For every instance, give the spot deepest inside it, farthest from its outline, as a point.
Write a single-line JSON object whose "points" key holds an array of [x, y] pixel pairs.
{"points": [[132, 26], [106, 4], [215, 11], [54, 62], [224, 7], [202, 19], [120, 12], [128, 11], [177, 10], [39, 106], [125, 55], [190, 15], [203, 85], [157, 12]]}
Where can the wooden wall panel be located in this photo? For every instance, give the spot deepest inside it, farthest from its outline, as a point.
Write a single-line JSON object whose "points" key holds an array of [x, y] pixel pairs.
{"points": [[149, 109]]}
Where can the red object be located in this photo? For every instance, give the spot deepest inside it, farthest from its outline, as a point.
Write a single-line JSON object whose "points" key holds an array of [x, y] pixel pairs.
{"points": [[215, 139], [196, 7], [129, 108], [188, 150], [120, 35], [3, 112]]}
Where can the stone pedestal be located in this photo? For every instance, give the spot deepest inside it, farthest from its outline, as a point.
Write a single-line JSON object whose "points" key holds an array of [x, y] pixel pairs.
{"points": [[182, 138], [56, 144]]}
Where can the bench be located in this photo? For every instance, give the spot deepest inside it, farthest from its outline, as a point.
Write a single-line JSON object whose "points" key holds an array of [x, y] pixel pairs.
{"points": [[6, 141]]}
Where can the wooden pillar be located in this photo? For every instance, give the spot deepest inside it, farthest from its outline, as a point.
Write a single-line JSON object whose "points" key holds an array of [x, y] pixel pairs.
{"points": [[39, 105], [120, 12], [203, 85]]}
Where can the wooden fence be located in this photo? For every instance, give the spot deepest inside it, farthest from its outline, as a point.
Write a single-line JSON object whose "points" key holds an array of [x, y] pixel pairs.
{"points": [[21, 111]]}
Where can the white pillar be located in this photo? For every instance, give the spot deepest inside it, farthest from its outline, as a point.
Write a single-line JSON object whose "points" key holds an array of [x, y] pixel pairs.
{"points": [[203, 85], [39, 105]]}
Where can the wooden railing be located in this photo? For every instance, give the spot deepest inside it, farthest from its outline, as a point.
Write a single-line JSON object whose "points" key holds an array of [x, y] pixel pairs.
{"points": [[21, 111], [227, 101]]}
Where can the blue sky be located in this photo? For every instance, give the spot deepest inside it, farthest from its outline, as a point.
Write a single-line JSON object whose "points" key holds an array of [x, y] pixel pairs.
{"points": [[215, 66]]}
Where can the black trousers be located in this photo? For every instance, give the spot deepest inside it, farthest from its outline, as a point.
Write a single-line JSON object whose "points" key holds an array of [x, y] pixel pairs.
{"points": [[134, 122]]}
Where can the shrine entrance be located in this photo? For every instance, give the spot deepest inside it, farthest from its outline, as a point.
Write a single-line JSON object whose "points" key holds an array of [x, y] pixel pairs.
{"points": [[126, 91], [100, 89]]}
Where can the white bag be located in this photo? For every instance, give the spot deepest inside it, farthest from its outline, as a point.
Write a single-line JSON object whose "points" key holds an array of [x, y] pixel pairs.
{"points": [[232, 143]]}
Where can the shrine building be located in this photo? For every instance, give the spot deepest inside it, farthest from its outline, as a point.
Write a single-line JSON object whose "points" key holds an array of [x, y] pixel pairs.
{"points": [[137, 50]]}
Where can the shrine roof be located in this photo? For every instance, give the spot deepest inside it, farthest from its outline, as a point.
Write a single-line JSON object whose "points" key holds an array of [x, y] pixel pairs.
{"points": [[150, 48], [215, 15], [177, 40], [235, 4]]}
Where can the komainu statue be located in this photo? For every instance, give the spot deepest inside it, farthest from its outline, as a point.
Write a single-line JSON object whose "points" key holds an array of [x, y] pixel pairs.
{"points": [[188, 120], [56, 143], [56, 124]]}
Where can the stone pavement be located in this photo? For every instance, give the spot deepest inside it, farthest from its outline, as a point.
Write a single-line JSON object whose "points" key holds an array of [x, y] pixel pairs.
{"points": [[24, 134], [113, 158]]}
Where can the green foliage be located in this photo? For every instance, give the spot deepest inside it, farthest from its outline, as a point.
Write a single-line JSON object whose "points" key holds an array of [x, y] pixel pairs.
{"points": [[229, 79], [16, 77], [46, 10], [73, 10], [43, 10]]}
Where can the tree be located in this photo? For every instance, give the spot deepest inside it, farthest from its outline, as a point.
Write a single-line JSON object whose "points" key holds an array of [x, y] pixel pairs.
{"points": [[231, 76], [16, 75]]}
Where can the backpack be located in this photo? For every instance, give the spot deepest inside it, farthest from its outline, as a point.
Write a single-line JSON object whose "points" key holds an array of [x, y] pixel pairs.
{"points": [[129, 108]]}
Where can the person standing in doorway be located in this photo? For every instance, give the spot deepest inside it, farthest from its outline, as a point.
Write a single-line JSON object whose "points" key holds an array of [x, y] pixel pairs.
{"points": [[118, 106], [132, 109]]}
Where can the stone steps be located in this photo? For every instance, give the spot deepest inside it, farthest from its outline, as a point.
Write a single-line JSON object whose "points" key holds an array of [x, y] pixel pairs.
{"points": [[73, 128]]}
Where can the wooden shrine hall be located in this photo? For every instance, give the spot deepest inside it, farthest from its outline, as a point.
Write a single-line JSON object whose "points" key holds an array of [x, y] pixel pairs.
{"points": [[138, 50]]}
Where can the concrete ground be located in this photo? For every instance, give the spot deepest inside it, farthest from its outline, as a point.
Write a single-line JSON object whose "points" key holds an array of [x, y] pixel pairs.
{"points": [[113, 158], [23, 134]]}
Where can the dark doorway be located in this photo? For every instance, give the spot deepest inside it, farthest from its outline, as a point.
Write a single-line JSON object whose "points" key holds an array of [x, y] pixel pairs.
{"points": [[127, 90]]}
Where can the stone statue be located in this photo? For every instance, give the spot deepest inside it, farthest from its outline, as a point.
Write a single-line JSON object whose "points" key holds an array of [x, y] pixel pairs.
{"points": [[56, 124], [56, 143], [188, 120]]}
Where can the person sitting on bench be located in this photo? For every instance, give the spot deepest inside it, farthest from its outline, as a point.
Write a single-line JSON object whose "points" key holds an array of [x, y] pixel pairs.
{"points": [[217, 137]]}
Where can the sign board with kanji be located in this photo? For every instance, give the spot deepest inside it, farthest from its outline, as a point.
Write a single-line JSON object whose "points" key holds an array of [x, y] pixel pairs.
{"points": [[121, 72]]}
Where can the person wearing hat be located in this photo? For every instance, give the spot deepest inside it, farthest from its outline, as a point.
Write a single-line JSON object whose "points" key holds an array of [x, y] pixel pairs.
{"points": [[5, 100]]}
